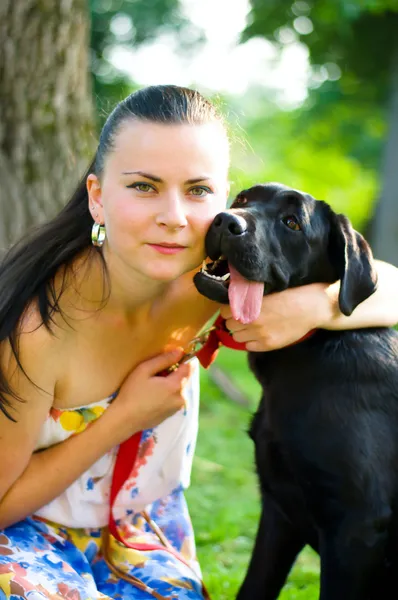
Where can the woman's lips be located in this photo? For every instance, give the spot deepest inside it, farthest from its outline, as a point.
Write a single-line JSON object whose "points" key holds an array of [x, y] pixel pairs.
{"points": [[166, 249]]}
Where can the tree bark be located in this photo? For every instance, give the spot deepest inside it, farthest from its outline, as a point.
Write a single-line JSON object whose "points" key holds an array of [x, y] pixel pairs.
{"points": [[46, 112], [384, 231]]}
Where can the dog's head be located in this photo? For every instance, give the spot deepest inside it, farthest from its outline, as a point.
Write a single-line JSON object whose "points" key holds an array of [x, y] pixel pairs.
{"points": [[275, 237]]}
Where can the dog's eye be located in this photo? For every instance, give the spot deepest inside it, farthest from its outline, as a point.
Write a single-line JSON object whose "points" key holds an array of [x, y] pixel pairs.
{"points": [[292, 223], [240, 200]]}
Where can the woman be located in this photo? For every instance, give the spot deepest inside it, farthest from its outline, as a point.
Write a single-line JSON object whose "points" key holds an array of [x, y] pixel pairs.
{"points": [[85, 327]]}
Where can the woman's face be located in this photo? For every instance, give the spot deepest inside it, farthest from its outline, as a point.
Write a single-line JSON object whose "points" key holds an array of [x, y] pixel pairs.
{"points": [[161, 187]]}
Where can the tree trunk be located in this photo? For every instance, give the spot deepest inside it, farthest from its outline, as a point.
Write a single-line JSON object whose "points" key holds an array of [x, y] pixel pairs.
{"points": [[46, 112], [384, 231]]}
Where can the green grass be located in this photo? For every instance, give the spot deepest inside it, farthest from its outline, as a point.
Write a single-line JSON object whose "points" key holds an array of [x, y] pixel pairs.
{"points": [[224, 498]]}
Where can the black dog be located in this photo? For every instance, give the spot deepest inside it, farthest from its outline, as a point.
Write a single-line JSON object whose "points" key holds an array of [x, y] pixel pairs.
{"points": [[326, 431]]}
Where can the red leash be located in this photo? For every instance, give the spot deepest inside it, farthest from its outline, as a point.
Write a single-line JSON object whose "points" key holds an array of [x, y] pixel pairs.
{"points": [[128, 451], [124, 464], [125, 460]]}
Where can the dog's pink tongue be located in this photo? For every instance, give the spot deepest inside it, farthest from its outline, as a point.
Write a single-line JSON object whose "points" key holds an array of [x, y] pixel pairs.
{"points": [[245, 297]]}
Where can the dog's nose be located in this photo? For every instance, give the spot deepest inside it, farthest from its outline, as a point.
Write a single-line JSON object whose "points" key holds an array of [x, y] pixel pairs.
{"points": [[229, 223]]}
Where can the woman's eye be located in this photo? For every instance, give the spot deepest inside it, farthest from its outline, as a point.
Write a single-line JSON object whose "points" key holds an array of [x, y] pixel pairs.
{"points": [[141, 187], [292, 223], [200, 192]]}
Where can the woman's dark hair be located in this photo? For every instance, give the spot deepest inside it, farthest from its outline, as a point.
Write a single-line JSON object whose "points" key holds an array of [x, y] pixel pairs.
{"points": [[28, 270]]}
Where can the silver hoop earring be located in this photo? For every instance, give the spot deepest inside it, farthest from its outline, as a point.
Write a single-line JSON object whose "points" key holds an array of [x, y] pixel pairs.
{"points": [[98, 234]]}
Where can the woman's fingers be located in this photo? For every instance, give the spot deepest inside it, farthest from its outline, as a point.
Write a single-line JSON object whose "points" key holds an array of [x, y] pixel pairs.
{"points": [[234, 326], [158, 363]]}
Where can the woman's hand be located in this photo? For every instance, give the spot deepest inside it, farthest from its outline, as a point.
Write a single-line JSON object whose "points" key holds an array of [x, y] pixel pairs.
{"points": [[285, 317], [145, 398]]}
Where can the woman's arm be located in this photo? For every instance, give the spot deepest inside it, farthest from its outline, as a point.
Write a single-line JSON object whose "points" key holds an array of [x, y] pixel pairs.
{"points": [[30, 480], [49, 472], [287, 316], [380, 309]]}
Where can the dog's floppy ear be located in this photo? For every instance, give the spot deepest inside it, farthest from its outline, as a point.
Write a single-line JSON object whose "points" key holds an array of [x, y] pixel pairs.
{"points": [[352, 258]]}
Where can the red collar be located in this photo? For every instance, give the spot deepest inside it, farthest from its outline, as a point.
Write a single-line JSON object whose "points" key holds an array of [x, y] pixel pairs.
{"points": [[220, 336]]}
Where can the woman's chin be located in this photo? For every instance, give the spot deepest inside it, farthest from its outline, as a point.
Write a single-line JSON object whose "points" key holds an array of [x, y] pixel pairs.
{"points": [[170, 270], [167, 274]]}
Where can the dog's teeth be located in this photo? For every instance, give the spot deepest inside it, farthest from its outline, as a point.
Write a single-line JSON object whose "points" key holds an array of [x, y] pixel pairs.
{"points": [[216, 277], [203, 266], [226, 276]]}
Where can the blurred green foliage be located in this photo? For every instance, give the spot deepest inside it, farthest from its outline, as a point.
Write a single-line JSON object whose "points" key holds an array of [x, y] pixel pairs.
{"points": [[338, 134], [359, 36], [128, 23], [276, 146]]}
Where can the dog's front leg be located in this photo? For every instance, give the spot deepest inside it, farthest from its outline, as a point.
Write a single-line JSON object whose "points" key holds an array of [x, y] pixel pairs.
{"points": [[352, 555], [277, 545]]}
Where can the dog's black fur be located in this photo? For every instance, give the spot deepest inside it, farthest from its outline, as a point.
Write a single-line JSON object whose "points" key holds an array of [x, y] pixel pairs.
{"points": [[326, 430]]}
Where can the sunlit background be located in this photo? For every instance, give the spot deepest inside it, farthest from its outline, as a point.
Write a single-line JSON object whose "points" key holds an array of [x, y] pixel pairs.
{"points": [[222, 64]]}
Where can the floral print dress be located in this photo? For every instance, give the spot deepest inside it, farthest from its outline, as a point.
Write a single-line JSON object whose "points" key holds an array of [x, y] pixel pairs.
{"points": [[57, 552]]}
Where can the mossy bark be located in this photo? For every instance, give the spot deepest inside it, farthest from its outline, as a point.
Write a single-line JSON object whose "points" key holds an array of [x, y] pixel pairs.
{"points": [[46, 112]]}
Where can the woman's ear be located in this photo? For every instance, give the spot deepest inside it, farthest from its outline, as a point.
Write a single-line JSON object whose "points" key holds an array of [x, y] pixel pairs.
{"points": [[94, 192], [351, 256]]}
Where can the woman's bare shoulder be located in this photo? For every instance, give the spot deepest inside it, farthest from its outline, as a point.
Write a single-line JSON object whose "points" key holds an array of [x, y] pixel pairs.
{"points": [[31, 378], [37, 346]]}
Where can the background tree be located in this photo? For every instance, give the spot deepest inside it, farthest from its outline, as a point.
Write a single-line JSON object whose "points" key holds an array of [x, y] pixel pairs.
{"points": [[46, 127], [357, 39]]}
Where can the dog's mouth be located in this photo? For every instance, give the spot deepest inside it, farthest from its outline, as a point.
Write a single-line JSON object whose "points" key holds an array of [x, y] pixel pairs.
{"points": [[218, 270], [222, 282]]}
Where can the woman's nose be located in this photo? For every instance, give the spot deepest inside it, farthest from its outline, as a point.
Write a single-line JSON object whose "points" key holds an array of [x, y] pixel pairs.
{"points": [[172, 213]]}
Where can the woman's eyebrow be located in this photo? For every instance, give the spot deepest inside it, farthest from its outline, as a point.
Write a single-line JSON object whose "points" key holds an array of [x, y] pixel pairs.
{"points": [[146, 175], [198, 179], [159, 180]]}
